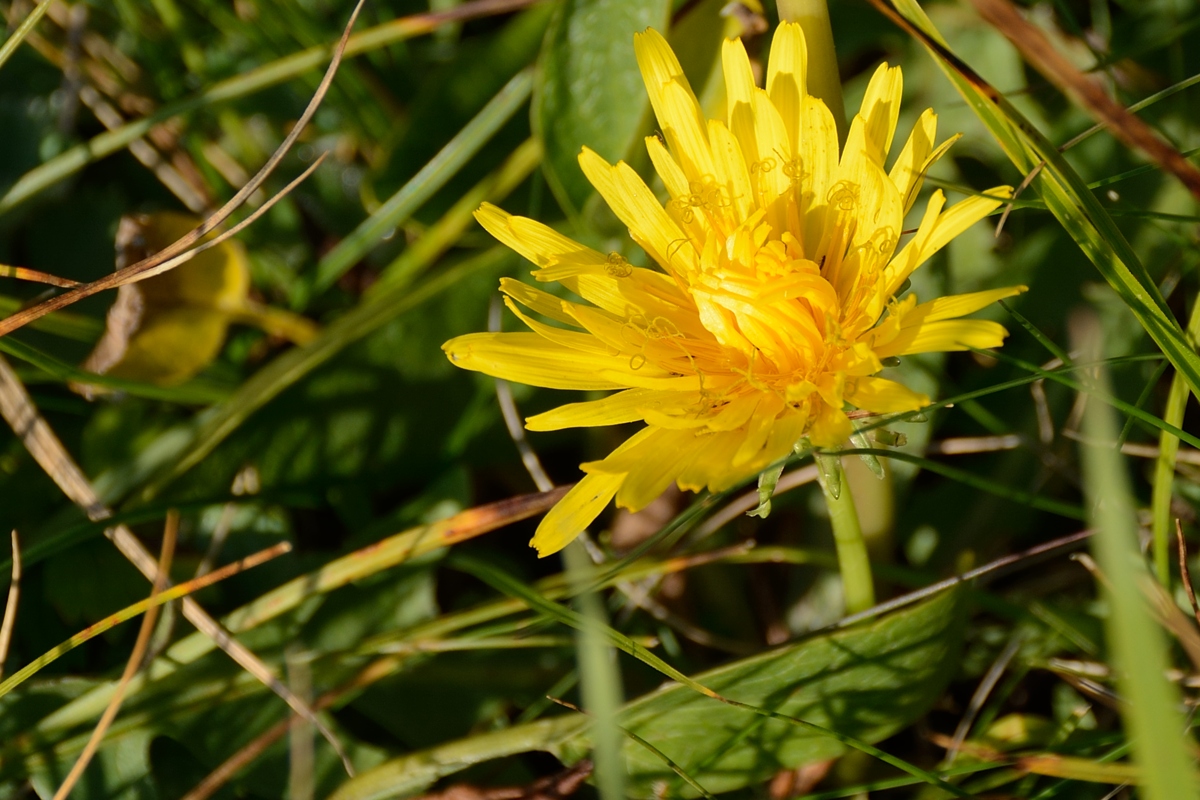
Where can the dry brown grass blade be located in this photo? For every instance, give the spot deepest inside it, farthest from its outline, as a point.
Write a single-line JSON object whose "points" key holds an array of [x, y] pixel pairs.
{"points": [[33, 276], [1086, 90], [1161, 606], [10, 607], [39, 439], [1185, 574], [176, 253], [170, 529]]}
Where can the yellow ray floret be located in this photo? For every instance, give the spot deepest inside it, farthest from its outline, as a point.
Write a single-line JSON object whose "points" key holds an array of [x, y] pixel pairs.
{"points": [[782, 261]]}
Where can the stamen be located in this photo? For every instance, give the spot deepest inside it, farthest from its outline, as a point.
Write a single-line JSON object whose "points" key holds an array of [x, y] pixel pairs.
{"points": [[616, 266]]}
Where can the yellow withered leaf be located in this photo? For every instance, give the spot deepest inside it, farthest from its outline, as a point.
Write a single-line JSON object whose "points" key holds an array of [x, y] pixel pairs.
{"points": [[166, 329]]}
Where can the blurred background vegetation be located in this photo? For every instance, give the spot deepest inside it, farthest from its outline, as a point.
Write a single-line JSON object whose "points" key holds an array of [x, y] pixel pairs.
{"points": [[290, 387]]}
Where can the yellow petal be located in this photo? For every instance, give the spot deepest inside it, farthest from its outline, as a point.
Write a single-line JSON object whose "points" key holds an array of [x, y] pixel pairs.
{"points": [[710, 467], [575, 340], [538, 243], [884, 397], [881, 108], [918, 155], [655, 465], [575, 512], [819, 156], [731, 170], [912, 254], [786, 77], [615, 409], [758, 429], [686, 131], [739, 78], [830, 428], [735, 413], [959, 305], [945, 336], [536, 300], [906, 171], [963, 215], [785, 431], [529, 358], [636, 206], [667, 167], [938, 229], [550, 247]]}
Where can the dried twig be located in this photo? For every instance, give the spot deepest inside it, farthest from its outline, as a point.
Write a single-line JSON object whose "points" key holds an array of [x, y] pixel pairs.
{"points": [[1086, 90], [131, 666], [1184, 572], [186, 247], [10, 607]]}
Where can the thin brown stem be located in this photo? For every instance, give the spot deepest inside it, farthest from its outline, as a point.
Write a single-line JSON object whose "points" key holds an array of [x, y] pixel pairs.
{"points": [[10, 607], [1185, 573]]}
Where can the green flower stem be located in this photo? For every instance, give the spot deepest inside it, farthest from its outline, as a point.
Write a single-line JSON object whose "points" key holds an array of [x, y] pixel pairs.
{"points": [[823, 79], [857, 583]]}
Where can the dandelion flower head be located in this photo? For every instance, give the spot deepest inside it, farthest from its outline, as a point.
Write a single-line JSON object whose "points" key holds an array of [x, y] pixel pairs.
{"points": [[780, 295]]}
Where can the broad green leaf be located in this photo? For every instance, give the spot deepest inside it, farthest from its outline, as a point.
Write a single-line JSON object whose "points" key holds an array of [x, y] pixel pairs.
{"points": [[589, 91], [868, 682], [1065, 193]]}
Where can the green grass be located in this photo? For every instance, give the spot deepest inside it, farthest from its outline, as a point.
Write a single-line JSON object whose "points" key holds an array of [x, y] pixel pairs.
{"points": [[438, 649]]}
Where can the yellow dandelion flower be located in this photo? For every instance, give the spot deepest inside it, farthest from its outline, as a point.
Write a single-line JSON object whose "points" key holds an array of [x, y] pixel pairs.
{"points": [[782, 261]]}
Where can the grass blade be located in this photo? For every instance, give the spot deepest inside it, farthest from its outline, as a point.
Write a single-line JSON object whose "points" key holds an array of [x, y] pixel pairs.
{"points": [[1164, 465], [129, 612], [1139, 648], [506, 584], [432, 177], [76, 158], [23, 30], [1065, 193]]}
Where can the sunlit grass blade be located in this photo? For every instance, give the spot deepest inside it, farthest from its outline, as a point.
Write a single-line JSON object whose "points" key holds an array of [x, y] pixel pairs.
{"points": [[23, 30], [977, 482], [1064, 192], [599, 678], [391, 551], [1137, 644], [76, 158], [432, 177], [1164, 465], [129, 612], [1086, 91]]}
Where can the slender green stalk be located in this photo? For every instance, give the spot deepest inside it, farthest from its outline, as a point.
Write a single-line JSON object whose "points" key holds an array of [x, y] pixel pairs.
{"points": [[857, 583], [823, 79], [1164, 466], [23, 30], [1137, 644], [599, 678]]}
